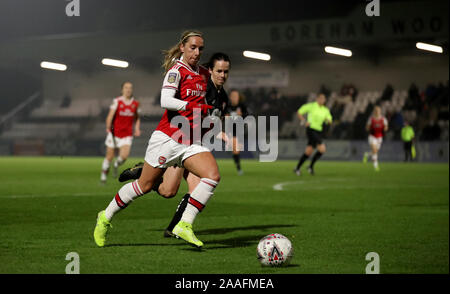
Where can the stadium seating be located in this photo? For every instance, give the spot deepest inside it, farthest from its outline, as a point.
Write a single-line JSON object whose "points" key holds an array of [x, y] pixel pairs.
{"points": [[84, 119], [81, 108], [350, 113], [41, 130]]}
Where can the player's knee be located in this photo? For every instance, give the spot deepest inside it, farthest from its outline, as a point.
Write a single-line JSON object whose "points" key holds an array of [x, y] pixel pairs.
{"points": [[214, 175]]}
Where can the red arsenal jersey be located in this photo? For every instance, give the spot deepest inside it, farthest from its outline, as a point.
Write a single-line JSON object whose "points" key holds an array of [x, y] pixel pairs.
{"points": [[191, 87], [377, 126], [124, 116]]}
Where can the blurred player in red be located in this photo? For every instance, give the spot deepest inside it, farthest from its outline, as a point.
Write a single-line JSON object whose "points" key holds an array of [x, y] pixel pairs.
{"points": [[174, 142], [377, 125], [123, 112]]}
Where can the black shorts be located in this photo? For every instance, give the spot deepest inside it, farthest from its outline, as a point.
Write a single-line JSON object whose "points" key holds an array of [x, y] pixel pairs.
{"points": [[407, 146], [314, 137]]}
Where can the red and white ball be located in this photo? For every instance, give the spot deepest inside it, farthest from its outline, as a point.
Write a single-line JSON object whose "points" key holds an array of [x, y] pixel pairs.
{"points": [[274, 250]]}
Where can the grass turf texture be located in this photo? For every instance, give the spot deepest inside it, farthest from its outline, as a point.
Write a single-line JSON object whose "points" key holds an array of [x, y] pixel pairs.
{"points": [[49, 207]]}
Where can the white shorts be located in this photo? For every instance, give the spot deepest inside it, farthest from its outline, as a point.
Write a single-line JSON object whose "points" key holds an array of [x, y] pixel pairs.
{"points": [[375, 141], [163, 151], [119, 141]]}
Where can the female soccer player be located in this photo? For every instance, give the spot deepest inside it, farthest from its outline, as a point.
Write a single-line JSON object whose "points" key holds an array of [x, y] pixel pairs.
{"points": [[318, 114], [123, 112], [183, 97], [377, 125], [219, 67], [236, 108]]}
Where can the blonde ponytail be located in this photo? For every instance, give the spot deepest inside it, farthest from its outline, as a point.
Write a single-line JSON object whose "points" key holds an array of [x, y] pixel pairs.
{"points": [[174, 53]]}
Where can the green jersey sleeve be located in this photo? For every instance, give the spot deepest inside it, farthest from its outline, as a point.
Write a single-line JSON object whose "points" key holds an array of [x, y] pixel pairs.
{"points": [[305, 108]]}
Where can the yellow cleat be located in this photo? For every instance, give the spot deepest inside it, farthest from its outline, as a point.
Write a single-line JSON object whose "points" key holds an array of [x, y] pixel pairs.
{"points": [[365, 157], [184, 231], [101, 229]]}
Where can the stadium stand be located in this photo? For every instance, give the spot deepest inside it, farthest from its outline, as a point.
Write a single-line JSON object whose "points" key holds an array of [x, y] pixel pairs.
{"points": [[82, 121], [426, 110]]}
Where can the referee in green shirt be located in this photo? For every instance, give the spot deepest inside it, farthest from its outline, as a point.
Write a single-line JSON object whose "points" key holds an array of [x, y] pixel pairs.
{"points": [[317, 115], [408, 140]]}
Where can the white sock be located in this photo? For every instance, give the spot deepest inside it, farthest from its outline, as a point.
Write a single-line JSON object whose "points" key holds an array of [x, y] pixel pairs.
{"points": [[199, 198], [375, 160], [105, 166], [119, 161], [125, 196]]}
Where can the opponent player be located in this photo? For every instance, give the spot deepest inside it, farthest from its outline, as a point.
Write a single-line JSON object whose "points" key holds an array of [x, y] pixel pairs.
{"points": [[219, 67], [377, 125], [236, 108], [123, 112], [318, 114], [183, 97]]}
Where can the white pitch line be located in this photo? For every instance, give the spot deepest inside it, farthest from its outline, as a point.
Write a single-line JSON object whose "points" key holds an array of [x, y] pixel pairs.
{"points": [[279, 186]]}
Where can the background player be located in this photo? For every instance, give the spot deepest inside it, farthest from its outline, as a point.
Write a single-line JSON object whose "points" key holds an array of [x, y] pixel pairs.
{"points": [[408, 141], [123, 112], [317, 115], [236, 108], [169, 145], [377, 125]]}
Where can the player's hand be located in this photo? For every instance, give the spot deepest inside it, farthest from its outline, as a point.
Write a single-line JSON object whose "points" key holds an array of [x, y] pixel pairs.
{"points": [[108, 130], [137, 132], [204, 107]]}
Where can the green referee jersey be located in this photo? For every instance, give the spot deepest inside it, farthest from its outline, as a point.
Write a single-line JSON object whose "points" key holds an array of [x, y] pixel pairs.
{"points": [[407, 133], [317, 115]]}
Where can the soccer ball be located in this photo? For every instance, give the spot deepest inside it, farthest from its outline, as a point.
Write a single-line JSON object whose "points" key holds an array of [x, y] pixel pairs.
{"points": [[274, 250]]}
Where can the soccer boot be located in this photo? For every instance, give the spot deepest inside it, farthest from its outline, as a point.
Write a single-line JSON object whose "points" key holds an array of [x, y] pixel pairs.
{"points": [[365, 157], [103, 178], [168, 234], [131, 173], [114, 170], [101, 229], [184, 231], [311, 170], [297, 172]]}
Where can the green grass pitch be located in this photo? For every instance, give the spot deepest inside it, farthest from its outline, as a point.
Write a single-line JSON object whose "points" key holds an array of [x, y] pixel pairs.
{"points": [[49, 207]]}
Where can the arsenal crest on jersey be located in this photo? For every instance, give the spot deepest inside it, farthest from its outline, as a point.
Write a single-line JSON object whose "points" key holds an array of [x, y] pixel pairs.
{"points": [[162, 160]]}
